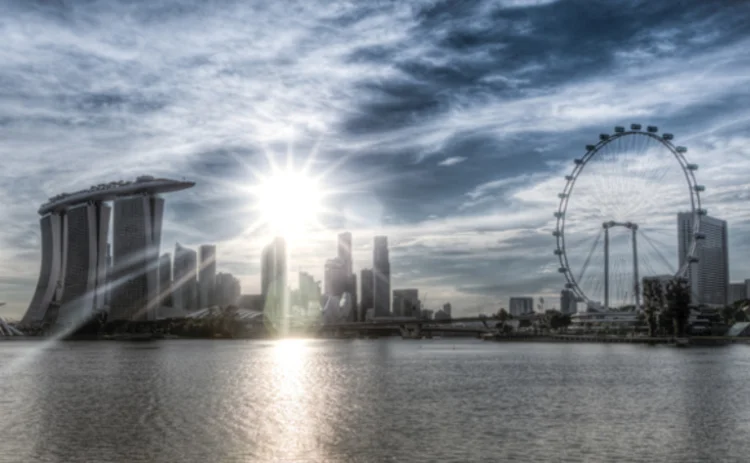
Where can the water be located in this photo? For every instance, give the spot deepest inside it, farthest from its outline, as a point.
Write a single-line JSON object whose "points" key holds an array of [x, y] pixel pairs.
{"points": [[372, 401]]}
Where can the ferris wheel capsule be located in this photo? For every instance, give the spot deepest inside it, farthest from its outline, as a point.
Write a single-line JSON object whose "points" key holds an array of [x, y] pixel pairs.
{"points": [[652, 129], [603, 136], [619, 129], [590, 147], [681, 149], [667, 136], [635, 126]]}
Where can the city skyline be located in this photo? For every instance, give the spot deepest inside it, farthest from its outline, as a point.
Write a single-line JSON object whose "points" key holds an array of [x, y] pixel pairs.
{"points": [[457, 161]]}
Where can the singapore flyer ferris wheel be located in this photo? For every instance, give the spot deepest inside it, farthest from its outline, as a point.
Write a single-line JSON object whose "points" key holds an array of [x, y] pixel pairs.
{"points": [[618, 214]]}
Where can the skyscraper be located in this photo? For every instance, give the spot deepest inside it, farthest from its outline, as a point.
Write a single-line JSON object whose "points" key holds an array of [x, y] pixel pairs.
{"points": [[335, 277], [309, 290], [368, 295], [273, 270], [709, 277], [568, 304], [737, 292], [406, 303], [207, 275], [448, 309], [184, 285], [165, 279], [381, 277], [136, 239], [84, 263], [345, 251], [228, 289], [51, 274], [521, 305]]}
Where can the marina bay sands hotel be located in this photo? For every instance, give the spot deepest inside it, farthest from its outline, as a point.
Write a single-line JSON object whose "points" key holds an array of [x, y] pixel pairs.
{"points": [[78, 275]]}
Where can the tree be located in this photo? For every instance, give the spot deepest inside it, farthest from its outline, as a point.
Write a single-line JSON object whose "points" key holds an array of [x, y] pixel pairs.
{"points": [[678, 304], [653, 302]]}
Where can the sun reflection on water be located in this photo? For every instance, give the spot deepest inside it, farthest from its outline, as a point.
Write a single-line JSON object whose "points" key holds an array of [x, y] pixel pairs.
{"points": [[289, 428]]}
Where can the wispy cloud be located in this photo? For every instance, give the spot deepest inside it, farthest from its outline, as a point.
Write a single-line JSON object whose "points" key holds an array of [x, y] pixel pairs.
{"points": [[452, 161], [184, 89]]}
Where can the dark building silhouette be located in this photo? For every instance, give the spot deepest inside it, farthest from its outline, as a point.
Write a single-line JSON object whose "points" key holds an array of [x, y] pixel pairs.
{"points": [[165, 279], [367, 300], [50, 275], [568, 304], [381, 277], [406, 303], [136, 239], [84, 263], [184, 284]]}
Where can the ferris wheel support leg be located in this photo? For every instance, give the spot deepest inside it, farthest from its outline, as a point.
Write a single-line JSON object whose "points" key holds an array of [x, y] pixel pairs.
{"points": [[606, 268], [636, 278]]}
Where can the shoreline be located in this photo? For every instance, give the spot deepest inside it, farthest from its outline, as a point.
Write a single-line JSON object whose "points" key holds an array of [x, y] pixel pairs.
{"points": [[698, 341]]}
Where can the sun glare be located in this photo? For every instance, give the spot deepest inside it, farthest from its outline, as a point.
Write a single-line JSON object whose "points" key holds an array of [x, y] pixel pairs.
{"points": [[289, 202]]}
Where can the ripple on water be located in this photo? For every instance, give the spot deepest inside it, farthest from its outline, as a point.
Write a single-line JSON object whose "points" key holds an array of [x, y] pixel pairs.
{"points": [[375, 400]]}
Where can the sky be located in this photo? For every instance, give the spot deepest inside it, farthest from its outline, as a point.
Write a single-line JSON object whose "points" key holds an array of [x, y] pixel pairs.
{"points": [[448, 126]]}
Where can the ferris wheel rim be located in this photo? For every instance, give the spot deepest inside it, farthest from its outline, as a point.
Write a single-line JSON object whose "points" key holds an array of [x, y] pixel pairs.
{"points": [[688, 170]]}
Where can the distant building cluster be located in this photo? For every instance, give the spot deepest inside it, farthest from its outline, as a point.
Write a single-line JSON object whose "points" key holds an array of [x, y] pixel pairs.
{"points": [[341, 296]]}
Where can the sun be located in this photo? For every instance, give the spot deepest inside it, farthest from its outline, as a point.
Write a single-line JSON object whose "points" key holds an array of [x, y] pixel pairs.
{"points": [[289, 202]]}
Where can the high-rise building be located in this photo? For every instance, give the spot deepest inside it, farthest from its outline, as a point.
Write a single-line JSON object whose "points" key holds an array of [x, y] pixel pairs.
{"points": [[335, 277], [406, 303], [381, 277], [83, 264], [165, 279], [273, 270], [136, 239], [737, 292], [521, 305], [228, 289], [353, 292], [107, 277], [51, 275], [345, 251], [568, 304], [309, 290], [207, 275], [709, 277], [184, 284], [367, 300], [448, 309]]}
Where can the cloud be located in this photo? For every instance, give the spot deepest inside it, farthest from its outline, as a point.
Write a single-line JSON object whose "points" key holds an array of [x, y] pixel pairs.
{"points": [[452, 161], [382, 96]]}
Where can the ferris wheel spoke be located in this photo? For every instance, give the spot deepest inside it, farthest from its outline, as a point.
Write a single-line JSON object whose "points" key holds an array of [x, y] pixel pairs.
{"points": [[591, 253], [658, 253]]}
